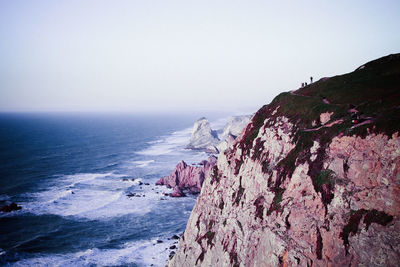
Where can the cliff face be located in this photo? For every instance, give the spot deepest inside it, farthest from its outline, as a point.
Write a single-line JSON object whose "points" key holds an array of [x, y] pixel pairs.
{"points": [[314, 179]]}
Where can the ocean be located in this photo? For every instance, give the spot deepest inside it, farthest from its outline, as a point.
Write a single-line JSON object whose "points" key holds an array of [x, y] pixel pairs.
{"points": [[71, 173]]}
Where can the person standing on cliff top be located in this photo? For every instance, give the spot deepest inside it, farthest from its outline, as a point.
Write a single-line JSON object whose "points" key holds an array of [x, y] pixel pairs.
{"points": [[311, 80]]}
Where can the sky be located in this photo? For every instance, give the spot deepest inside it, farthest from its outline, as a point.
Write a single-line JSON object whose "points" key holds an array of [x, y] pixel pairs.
{"points": [[81, 55]]}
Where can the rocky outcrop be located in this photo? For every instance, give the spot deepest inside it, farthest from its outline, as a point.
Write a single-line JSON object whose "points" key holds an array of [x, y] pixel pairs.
{"points": [[235, 126], [203, 137], [303, 185], [188, 178], [231, 130], [226, 143]]}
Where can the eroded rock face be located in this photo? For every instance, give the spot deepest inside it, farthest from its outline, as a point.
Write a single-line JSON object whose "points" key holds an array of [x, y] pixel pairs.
{"points": [[187, 178], [242, 222], [290, 193]]}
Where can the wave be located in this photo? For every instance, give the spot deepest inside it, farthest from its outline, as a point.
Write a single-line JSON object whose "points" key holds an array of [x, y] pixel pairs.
{"points": [[91, 196], [143, 163], [4, 197], [167, 144], [139, 253], [178, 140]]}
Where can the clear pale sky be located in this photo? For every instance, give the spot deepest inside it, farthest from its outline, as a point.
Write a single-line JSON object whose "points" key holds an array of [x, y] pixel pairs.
{"points": [[181, 55]]}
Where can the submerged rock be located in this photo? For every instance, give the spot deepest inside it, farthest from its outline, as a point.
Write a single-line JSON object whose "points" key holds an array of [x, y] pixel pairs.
{"points": [[8, 208]]}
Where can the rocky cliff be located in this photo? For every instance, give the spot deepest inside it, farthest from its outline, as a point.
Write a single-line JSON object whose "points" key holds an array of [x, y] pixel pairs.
{"points": [[313, 180]]}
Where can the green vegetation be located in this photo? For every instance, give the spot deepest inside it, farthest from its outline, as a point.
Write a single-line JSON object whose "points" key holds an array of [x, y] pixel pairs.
{"points": [[210, 236], [325, 177], [276, 202], [371, 92]]}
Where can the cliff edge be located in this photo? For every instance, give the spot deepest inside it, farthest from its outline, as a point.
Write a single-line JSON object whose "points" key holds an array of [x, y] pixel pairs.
{"points": [[313, 180]]}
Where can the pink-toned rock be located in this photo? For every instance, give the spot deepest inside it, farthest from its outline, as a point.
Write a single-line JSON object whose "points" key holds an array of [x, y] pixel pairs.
{"points": [[240, 221], [325, 117], [188, 178], [177, 192], [286, 194]]}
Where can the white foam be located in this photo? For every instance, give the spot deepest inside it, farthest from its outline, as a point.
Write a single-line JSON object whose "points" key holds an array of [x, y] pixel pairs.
{"points": [[177, 140], [142, 253], [168, 144], [91, 196], [143, 163]]}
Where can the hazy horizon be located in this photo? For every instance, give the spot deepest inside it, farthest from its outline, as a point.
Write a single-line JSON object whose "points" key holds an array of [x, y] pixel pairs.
{"points": [[156, 56]]}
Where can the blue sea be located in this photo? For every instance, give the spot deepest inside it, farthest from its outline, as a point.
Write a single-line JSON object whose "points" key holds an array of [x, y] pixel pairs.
{"points": [[71, 173]]}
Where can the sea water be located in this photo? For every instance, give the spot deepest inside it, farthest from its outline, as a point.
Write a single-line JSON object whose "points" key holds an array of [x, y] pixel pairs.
{"points": [[72, 174]]}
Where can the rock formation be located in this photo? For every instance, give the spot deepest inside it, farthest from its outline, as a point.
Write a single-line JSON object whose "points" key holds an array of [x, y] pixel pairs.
{"points": [[231, 130], [303, 185], [203, 137], [187, 178], [235, 126]]}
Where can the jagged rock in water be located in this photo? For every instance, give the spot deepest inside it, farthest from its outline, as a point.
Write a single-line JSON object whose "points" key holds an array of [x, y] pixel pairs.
{"points": [[203, 137], [188, 178], [298, 190], [9, 208]]}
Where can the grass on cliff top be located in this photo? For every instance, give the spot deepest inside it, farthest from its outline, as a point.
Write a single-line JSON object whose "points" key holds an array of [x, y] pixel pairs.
{"points": [[373, 90]]}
